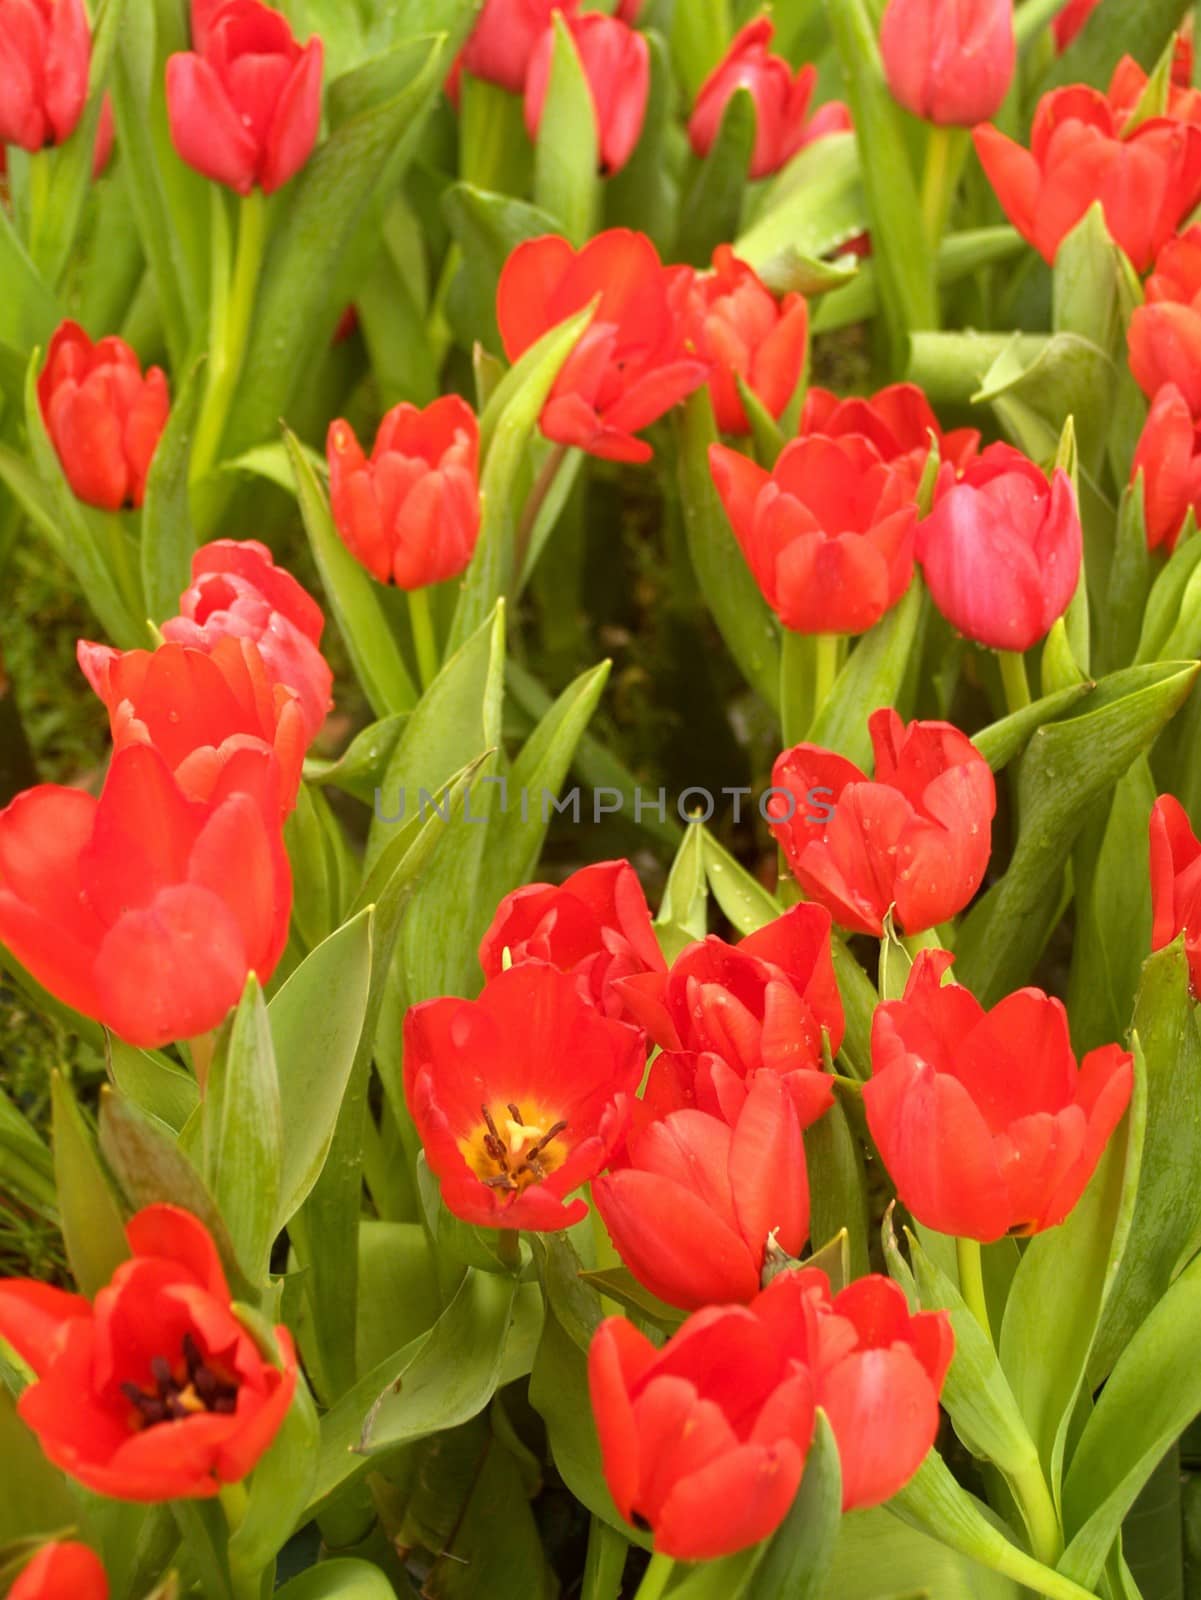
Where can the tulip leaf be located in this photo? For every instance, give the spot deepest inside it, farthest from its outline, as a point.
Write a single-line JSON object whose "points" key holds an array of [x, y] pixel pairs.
{"points": [[644, 194], [959, 256], [812, 208], [1069, 377], [243, 1132], [26, 1165], [742, 898], [731, 593], [1130, 579], [837, 1187], [340, 1579], [152, 1082], [711, 207], [487, 227], [168, 539], [35, 1498], [1068, 764], [566, 150], [399, 1298], [360, 769], [279, 1490], [700, 37], [1002, 741], [29, 312], [797, 1559], [684, 909], [872, 677], [92, 1225], [621, 1286]]}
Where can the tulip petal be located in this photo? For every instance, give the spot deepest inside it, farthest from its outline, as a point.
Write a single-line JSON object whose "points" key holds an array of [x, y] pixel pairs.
{"points": [[205, 129]]}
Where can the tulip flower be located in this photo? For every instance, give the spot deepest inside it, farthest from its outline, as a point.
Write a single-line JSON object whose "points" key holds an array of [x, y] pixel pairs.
{"points": [[238, 592], [411, 513], [144, 909], [984, 1120], [781, 101], [631, 364], [703, 1442], [617, 67], [244, 107], [103, 417], [45, 57], [154, 1391], [1147, 178], [760, 1005], [736, 324], [1165, 332], [693, 1200], [595, 926], [1070, 20], [949, 61], [898, 420], [630, 10], [1176, 882], [1001, 549], [199, 709], [61, 1571], [828, 533], [916, 839], [520, 1096], [505, 36], [1169, 458]]}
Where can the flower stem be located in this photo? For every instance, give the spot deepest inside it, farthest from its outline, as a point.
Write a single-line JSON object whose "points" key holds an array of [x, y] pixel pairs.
{"points": [[423, 635], [827, 650], [656, 1577], [229, 324], [944, 158], [1038, 1511], [38, 199], [971, 1281], [1014, 680], [508, 1247]]}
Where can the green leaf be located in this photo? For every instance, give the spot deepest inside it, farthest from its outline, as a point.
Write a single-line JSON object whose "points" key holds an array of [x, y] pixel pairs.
{"points": [[797, 1558], [168, 538], [837, 1187], [360, 769], [566, 151], [35, 1498], [1130, 579], [1169, 599], [92, 1224], [644, 194], [879, 1558], [684, 909], [152, 1083], [621, 1286], [711, 208], [279, 1490], [487, 228], [814, 206], [26, 1165], [741, 897], [339, 1580], [398, 1290], [960, 255], [29, 311], [1002, 741], [700, 36], [1069, 377], [872, 677]]}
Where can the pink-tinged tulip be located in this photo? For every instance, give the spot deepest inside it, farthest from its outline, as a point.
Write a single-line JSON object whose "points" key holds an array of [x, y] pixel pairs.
{"points": [[505, 36], [691, 1204], [617, 66], [736, 323], [144, 909], [632, 363], [898, 420], [1176, 883], [781, 101], [757, 1006], [595, 925], [410, 513], [103, 417], [828, 533], [1001, 550], [1165, 332], [917, 838], [238, 592], [1082, 149], [949, 61], [245, 105], [984, 1120], [45, 56], [1169, 458]]}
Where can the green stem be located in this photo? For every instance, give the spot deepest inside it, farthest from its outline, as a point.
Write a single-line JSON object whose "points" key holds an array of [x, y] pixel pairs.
{"points": [[229, 325], [944, 159], [38, 196], [1038, 1511], [655, 1578], [915, 943], [424, 642], [827, 652], [971, 1281], [1014, 680], [508, 1248], [796, 687]]}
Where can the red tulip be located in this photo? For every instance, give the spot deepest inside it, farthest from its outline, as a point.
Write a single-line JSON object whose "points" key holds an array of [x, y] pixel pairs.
{"points": [[737, 325], [199, 709], [916, 839], [704, 1441], [504, 38], [1165, 332], [410, 514], [520, 1096], [631, 364], [1176, 882], [760, 1005], [691, 1203], [595, 926], [103, 417], [617, 66], [45, 57], [949, 61], [898, 421], [66, 1571], [155, 1391], [630, 10], [781, 101], [238, 592], [203, 15], [1146, 178], [1169, 458], [145, 909], [828, 533], [244, 106], [983, 1119], [878, 1371], [1070, 21]]}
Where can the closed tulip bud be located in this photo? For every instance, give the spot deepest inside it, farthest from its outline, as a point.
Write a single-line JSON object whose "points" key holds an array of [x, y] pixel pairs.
{"points": [[1165, 332], [898, 420], [949, 61], [504, 38], [45, 57], [917, 838], [154, 1391], [1169, 458], [736, 323], [828, 533], [244, 106], [1001, 550], [617, 67], [984, 1120], [62, 1571], [410, 513], [103, 417], [1176, 882]]}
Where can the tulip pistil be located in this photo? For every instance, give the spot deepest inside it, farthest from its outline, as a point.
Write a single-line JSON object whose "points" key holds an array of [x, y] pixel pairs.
{"points": [[521, 1154], [181, 1391]]}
